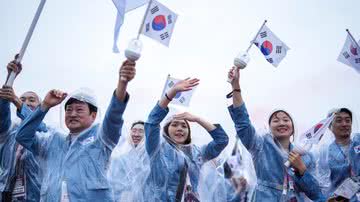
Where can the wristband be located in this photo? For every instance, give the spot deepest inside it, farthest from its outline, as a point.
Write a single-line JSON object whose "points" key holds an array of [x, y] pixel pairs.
{"points": [[167, 97]]}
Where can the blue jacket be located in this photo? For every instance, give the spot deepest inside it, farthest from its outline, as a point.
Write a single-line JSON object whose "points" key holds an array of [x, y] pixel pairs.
{"points": [[81, 165], [269, 162], [167, 161], [340, 167], [8, 154]]}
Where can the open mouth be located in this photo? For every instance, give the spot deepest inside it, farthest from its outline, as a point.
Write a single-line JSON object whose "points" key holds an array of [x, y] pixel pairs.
{"points": [[136, 138], [282, 129]]}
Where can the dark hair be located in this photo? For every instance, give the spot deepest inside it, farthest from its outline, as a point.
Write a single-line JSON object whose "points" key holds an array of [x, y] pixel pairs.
{"points": [[347, 111], [227, 171], [287, 114], [92, 108], [136, 123], [166, 130]]}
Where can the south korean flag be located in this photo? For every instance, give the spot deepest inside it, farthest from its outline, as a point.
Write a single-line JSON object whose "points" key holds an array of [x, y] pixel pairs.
{"points": [[181, 98], [350, 54], [159, 23], [271, 46]]}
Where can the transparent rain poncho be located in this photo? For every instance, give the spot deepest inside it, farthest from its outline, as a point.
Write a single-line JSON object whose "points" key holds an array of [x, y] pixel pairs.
{"points": [[230, 178], [275, 182], [19, 168], [74, 167], [335, 163], [129, 169], [175, 169]]}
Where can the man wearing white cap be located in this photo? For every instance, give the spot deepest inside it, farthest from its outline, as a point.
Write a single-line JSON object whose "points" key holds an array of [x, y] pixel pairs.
{"points": [[75, 164]]}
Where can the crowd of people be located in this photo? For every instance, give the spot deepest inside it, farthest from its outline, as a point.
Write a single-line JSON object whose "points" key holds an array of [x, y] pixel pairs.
{"points": [[41, 163]]}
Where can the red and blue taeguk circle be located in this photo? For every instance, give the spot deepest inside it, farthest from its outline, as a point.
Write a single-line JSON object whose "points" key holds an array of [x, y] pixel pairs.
{"points": [[317, 127], [353, 50], [266, 48], [159, 23]]}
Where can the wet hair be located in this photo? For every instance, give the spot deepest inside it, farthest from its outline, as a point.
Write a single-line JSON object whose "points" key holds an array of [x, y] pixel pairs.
{"points": [[347, 111], [227, 171], [92, 108], [136, 123], [166, 130], [274, 114]]}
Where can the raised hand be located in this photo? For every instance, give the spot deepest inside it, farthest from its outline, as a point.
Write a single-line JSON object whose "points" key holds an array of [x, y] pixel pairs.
{"points": [[7, 93], [186, 84], [14, 67], [127, 70], [234, 76], [53, 98], [187, 116]]}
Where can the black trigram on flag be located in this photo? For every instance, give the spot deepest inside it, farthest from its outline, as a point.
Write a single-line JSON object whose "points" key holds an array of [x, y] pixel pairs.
{"points": [[147, 27], [171, 83], [169, 19], [154, 10], [346, 55], [278, 49], [270, 60], [357, 60], [256, 44], [164, 35], [182, 100], [263, 34]]}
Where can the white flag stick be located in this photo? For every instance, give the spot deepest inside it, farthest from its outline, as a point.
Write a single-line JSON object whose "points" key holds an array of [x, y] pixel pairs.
{"points": [[144, 18], [252, 42], [11, 77], [353, 39], [167, 79]]}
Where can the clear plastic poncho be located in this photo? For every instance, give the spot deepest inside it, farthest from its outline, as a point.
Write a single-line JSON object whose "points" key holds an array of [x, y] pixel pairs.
{"points": [[129, 169]]}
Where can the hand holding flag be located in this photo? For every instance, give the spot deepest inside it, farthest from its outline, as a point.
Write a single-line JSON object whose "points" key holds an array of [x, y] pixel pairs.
{"points": [[311, 136]]}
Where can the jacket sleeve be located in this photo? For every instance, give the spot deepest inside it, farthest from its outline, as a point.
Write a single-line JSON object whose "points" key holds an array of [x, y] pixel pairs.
{"points": [[5, 118], [215, 147], [113, 122], [25, 112], [310, 186], [152, 128], [244, 129], [26, 134]]}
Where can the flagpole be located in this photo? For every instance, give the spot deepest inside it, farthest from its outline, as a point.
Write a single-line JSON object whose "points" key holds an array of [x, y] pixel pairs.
{"points": [[353, 39], [252, 42], [144, 18], [11, 77]]}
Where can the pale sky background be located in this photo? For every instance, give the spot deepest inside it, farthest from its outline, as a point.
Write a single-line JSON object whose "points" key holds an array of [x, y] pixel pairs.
{"points": [[72, 48]]}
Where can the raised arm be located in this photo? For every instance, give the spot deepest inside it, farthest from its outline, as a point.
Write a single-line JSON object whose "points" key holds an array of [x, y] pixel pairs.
{"points": [[238, 112], [220, 138], [7, 95], [26, 135], [113, 120], [152, 125]]}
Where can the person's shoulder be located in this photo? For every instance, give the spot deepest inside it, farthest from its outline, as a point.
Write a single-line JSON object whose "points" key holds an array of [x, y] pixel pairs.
{"points": [[356, 137]]}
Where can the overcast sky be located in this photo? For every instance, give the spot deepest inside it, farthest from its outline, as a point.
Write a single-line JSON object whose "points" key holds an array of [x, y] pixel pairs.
{"points": [[72, 48]]}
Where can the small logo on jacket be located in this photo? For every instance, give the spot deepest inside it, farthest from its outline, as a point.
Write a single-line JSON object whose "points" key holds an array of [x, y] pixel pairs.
{"points": [[87, 141]]}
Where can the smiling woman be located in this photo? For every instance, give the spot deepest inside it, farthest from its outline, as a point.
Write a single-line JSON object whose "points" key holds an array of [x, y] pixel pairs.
{"points": [[269, 152], [175, 163]]}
